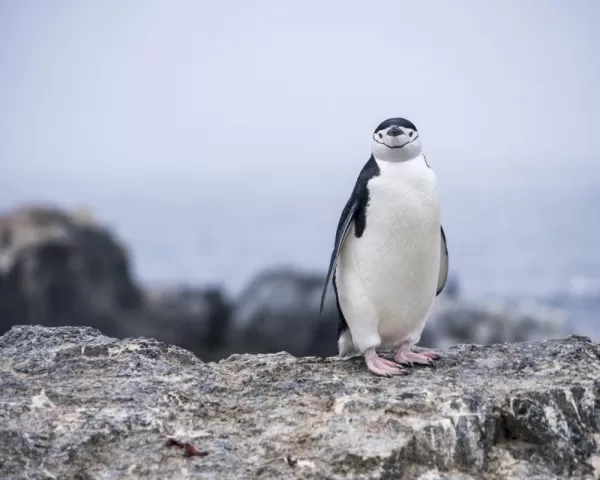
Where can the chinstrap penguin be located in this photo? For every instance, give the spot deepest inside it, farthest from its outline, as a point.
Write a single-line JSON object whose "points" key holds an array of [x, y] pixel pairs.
{"points": [[390, 258]]}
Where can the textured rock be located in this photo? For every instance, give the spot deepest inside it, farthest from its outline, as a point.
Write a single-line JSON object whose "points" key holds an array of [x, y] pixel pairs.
{"points": [[62, 269], [77, 405]]}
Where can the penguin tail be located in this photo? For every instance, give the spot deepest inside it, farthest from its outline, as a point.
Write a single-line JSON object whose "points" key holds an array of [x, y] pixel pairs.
{"points": [[346, 344]]}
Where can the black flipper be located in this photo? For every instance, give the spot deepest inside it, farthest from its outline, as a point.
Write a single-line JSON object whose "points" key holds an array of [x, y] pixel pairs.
{"points": [[354, 211], [444, 261], [444, 264]]}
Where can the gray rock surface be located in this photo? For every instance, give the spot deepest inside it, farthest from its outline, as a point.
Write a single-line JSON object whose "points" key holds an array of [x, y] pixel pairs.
{"points": [[60, 268], [77, 405]]}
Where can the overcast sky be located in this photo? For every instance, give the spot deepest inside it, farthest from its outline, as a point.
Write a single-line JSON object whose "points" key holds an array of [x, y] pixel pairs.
{"points": [[187, 92]]}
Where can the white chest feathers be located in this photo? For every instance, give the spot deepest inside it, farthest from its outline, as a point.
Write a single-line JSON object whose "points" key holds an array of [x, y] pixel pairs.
{"points": [[387, 278], [403, 206], [410, 184]]}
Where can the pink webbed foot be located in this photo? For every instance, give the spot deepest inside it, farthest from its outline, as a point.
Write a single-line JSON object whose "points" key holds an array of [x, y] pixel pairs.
{"points": [[380, 366], [405, 355]]}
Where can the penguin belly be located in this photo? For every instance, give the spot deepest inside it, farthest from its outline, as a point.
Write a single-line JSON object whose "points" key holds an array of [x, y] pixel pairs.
{"points": [[387, 278]]}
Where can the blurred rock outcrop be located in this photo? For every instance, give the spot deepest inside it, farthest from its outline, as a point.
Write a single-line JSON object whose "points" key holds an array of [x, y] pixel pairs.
{"points": [[458, 320], [197, 319], [279, 311], [79, 405], [58, 268]]}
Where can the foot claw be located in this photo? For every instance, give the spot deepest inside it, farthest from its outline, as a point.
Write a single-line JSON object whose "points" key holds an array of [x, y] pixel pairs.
{"points": [[381, 366], [387, 362], [404, 355]]}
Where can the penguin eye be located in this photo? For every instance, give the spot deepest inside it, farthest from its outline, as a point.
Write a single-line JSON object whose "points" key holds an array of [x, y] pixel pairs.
{"points": [[380, 135], [410, 134]]}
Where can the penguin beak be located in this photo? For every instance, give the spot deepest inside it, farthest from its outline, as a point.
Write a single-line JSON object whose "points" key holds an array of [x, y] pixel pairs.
{"points": [[394, 131]]}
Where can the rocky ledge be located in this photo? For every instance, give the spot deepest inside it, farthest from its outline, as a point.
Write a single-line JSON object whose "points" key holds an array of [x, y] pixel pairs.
{"points": [[77, 404]]}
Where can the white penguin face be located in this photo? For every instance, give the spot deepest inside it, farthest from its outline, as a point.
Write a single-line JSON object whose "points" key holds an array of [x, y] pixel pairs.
{"points": [[396, 140]]}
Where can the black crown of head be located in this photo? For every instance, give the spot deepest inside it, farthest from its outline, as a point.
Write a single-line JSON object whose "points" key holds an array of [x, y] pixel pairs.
{"points": [[398, 121]]}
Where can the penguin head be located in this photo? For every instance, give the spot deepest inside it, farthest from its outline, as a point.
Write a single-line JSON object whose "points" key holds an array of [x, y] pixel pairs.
{"points": [[396, 140]]}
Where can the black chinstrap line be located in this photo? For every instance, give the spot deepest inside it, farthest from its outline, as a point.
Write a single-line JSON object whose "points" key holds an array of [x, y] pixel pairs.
{"points": [[399, 146]]}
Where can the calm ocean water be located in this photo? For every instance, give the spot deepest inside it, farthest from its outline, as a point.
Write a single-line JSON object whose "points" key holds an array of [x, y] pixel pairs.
{"points": [[517, 242]]}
